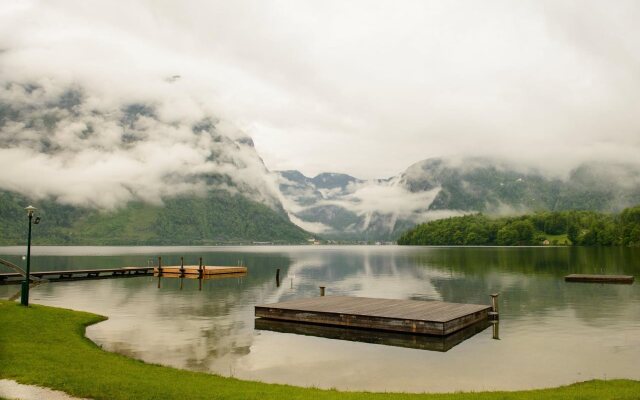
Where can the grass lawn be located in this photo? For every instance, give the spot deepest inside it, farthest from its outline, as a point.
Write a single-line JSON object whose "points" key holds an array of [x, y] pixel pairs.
{"points": [[562, 239], [46, 346]]}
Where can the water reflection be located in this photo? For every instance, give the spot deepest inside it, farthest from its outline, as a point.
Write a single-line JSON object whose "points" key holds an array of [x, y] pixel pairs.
{"points": [[421, 342], [552, 333]]}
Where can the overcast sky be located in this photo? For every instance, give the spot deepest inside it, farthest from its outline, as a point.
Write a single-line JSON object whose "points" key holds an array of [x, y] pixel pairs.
{"points": [[362, 87]]}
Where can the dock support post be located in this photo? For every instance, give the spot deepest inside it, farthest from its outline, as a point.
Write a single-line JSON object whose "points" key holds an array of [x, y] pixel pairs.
{"points": [[181, 267], [322, 290], [200, 274], [278, 277], [494, 314], [159, 266]]}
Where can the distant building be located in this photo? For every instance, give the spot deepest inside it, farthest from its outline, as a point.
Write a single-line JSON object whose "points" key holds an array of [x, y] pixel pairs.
{"points": [[546, 242]]}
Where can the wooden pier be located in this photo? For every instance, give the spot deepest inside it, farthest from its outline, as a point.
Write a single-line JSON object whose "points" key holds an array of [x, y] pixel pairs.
{"points": [[77, 274], [409, 316], [599, 278], [195, 271], [397, 339]]}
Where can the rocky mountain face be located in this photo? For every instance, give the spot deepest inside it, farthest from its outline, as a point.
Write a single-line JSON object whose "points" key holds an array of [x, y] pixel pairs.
{"points": [[344, 207]]}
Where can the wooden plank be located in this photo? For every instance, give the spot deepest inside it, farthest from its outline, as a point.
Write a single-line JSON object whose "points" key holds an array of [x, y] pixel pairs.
{"points": [[599, 278], [196, 276], [78, 271], [415, 316], [195, 269], [78, 274]]}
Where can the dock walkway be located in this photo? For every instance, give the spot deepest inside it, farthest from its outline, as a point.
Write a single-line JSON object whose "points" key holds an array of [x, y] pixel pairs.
{"points": [[194, 270], [599, 278], [412, 316], [77, 274]]}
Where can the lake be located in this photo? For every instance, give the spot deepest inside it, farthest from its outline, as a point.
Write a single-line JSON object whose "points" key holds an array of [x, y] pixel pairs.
{"points": [[550, 332]]}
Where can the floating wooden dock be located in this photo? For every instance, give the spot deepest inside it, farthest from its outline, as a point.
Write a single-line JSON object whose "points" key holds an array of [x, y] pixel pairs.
{"points": [[398, 339], [77, 274], [194, 271], [599, 278], [410, 316]]}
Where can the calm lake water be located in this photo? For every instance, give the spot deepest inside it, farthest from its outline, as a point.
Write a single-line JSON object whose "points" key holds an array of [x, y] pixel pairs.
{"points": [[550, 332]]}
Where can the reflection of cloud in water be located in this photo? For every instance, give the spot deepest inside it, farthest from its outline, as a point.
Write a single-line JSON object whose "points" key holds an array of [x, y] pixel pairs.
{"points": [[392, 283]]}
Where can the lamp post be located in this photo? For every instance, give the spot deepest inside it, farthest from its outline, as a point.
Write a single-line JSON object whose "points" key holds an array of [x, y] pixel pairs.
{"points": [[24, 295]]}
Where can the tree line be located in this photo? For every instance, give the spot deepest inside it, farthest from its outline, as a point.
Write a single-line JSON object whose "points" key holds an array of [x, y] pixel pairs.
{"points": [[580, 228]]}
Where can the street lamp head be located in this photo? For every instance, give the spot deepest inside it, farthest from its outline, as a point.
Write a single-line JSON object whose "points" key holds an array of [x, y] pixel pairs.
{"points": [[30, 210]]}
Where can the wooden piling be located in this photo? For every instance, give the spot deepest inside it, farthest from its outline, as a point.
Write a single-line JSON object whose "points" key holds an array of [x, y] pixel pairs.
{"points": [[159, 266], [494, 314], [494, 302], [496, 330], [278, 277], [200, 274], [322, 290], [181, 267]]}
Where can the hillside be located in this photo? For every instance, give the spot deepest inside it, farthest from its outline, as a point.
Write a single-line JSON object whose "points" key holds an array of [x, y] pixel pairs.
{"points": [[584, 228], [111, 170], [218, 218], [381, 209], [480, 184]]}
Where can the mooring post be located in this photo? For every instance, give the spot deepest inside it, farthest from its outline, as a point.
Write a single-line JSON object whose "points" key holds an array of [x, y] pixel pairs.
{"points": [[200, 269], [322, 290], [278, 277], [494, 314], [181, 267], [496, 329], [159, 266]]}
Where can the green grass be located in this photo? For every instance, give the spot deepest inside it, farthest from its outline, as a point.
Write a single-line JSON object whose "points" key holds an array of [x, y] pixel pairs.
{"points": [[46, 346], [561, 239]]}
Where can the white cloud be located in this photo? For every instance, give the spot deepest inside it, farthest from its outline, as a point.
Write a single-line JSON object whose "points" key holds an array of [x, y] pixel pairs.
{"points": [[364, 87], [82, 148], [385, 198]]}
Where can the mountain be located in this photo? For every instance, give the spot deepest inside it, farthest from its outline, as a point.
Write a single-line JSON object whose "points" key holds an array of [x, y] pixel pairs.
{"points": [[344, 207], [340, 206], [112, 170], [480, 184], [121, 167], [217, 218]]}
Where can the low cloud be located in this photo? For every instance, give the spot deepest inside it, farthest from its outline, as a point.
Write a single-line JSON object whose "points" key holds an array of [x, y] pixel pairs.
{"points": [[383, 197], [62, 141]]}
